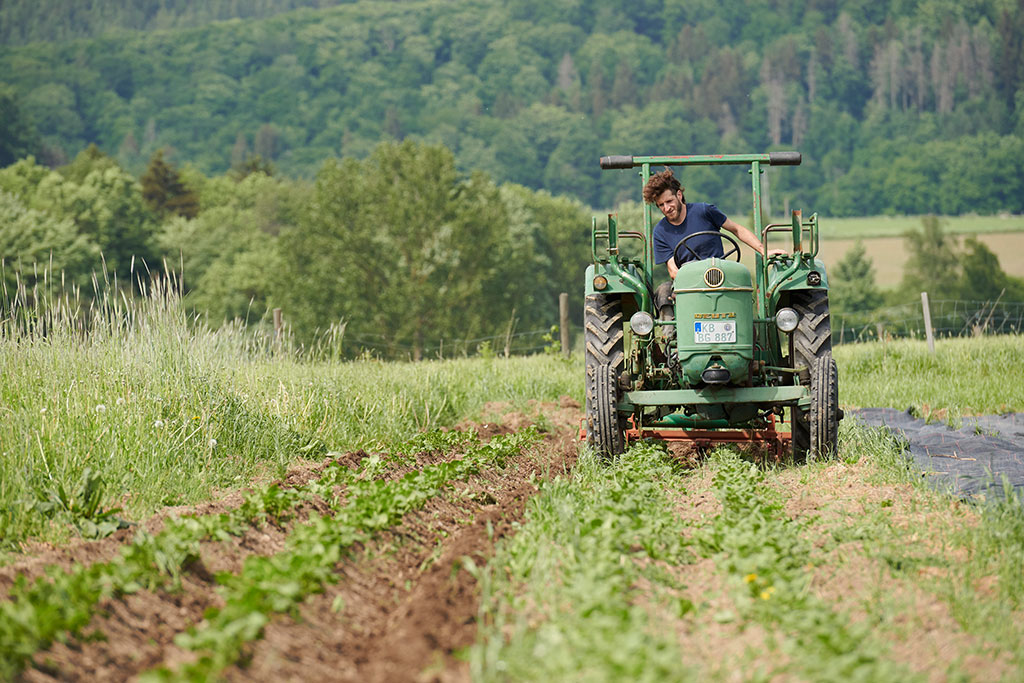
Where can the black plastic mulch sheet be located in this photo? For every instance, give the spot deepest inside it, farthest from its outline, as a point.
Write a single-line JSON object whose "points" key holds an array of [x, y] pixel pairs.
{"points": [[966, 461]]}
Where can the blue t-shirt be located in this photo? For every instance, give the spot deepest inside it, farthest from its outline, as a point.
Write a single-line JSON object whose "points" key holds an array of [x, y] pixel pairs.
{"points": [[699, 217]]}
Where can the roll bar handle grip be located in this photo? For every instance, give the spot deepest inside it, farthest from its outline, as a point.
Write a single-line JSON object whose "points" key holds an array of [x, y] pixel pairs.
{"points": [[784, 158], [616, 161]]}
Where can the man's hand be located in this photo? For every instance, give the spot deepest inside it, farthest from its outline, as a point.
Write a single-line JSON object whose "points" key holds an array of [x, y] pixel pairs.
{"points": [[777, 252]]}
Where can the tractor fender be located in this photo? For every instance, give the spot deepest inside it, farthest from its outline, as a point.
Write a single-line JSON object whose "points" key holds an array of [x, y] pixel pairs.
{"points": [[798, 280], [616, 284]]}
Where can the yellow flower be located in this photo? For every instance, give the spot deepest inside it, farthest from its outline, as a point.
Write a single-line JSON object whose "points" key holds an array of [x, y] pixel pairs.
{"points": [[750, 578], [767, 592]]}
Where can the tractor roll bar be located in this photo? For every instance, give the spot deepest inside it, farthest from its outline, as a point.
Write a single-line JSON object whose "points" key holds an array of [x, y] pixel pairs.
{"points": [[770, 158]]}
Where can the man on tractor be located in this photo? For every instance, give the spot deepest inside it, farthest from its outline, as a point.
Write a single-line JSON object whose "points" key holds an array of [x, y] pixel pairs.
{"points": [[682, 219]]}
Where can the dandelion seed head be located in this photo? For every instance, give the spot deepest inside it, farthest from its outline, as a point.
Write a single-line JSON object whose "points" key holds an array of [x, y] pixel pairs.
{"points": [[213, 443], [101, 408], [120, 401], [159, 424], [42, 410]]}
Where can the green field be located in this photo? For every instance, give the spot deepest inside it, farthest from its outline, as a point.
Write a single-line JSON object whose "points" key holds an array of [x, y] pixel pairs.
{"points": [[965, 376], [651, 567], [151, 410]]}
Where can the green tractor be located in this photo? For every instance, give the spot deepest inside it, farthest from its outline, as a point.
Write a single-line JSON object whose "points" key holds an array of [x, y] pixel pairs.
{"points": [[733, 354]]}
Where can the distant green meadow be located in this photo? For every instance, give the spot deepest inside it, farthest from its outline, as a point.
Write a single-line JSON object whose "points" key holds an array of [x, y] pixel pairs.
{"points": [[895, 226], [884, 240]]}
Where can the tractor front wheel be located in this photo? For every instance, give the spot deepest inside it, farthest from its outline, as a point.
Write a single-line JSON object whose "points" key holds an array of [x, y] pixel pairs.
{"points": [[602, 322], [815, 430]]}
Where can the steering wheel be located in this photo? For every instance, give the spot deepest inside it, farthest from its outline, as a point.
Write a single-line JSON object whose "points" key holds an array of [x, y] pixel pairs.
{"points": [[734, 248]]}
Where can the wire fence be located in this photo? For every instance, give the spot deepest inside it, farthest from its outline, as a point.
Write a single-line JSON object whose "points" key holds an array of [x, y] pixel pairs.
{"points": [[949, 318]]}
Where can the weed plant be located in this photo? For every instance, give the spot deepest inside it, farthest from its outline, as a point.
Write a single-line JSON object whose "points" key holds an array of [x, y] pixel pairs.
{"points": [[116, 401]]}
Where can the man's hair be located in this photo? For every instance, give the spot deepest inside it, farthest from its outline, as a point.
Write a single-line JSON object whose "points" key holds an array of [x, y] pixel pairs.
{"points": [[658, 183]]}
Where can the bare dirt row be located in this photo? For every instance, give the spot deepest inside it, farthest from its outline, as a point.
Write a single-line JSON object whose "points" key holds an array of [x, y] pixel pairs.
{"points": [[402, 607]]}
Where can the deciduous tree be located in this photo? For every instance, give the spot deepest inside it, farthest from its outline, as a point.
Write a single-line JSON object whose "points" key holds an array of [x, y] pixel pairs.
{"points": [[400, 246]]}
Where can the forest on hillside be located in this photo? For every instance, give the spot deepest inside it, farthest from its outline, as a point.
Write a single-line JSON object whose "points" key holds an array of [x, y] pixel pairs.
{"points": [[898, 107], [412, 178]]}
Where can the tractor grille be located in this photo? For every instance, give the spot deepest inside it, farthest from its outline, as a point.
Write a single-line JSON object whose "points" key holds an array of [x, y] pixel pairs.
{"points": [[714, 277]]}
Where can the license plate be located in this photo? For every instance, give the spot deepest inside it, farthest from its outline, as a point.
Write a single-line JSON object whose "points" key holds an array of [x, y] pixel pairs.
{"points": [[717, 332]]}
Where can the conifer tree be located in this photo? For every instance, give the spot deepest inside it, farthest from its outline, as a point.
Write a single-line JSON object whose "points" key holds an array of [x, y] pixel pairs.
{"points": [[164, 192], [852, 286]]}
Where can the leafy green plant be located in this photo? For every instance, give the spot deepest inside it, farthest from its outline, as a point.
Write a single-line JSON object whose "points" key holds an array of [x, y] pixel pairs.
{"points": [[83, 504], [485, 349], [552, 341]]}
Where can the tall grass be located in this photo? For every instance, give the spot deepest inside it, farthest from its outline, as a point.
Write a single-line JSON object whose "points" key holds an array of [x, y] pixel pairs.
{"points": [[965, 376], [126, 401]]}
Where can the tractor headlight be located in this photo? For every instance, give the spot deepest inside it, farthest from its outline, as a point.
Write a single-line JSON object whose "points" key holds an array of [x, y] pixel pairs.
{"points": [[600, 282], [786, 319], [641, 323]]}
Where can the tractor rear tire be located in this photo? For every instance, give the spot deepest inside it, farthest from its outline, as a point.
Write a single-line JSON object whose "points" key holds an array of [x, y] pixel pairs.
{"points": [[812, 337], [814, 430], [602, 322]]}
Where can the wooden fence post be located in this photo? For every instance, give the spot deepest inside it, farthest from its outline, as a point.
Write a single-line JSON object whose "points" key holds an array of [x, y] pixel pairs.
{"points": [[508, 333], [928, 322], [563, 321], [278, 325]]}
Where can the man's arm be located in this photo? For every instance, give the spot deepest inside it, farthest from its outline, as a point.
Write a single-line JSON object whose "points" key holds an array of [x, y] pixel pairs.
{"points": [[671, 265], [750, 239]]}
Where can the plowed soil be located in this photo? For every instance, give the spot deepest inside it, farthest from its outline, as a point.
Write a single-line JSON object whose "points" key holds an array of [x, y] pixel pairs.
{"points": [[401, 610]]}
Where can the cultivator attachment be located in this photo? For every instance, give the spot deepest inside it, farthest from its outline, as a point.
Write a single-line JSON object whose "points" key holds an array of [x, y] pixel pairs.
{"points": [[775, 441], [770, 438]]}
